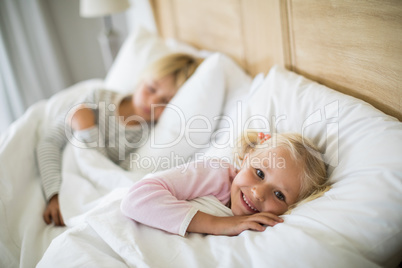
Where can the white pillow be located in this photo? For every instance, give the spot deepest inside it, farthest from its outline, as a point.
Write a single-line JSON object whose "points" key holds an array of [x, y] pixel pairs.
{"points": [[238, 84], [363, 211], [175, 137], [209, 91], [140, 49]]}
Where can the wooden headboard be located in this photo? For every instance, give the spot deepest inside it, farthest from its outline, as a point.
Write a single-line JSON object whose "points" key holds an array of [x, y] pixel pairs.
{"points": [[353, 46]]}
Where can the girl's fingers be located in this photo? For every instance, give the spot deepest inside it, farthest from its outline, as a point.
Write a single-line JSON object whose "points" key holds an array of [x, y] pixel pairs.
{"points": [[271, 216], [263, 219], [255, 226], [268, 222]]}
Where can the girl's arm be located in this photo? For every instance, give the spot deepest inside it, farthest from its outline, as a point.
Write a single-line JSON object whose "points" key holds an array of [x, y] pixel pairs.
{"points": [[161, 201], [209, 224]]}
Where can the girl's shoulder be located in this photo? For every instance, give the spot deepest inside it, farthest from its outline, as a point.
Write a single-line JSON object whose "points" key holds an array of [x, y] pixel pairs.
{"points": [[215, 163], [214, 167], [198, 168]]}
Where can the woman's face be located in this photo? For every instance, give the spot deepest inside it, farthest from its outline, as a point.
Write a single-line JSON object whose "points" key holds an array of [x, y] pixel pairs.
{"points": [[152, 96], [268, 181]]}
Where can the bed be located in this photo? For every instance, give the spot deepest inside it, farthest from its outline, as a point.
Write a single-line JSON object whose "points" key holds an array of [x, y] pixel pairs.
{"points": [[330, 70]]}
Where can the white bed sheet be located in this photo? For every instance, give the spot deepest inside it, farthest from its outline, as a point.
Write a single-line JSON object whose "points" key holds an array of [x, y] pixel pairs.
{"points": [[339, 229], [106, 238], [24, 236], [101, 237], [87, 176]]}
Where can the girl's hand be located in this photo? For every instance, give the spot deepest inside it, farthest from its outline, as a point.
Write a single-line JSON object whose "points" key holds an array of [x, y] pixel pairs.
{"points": [[52, 212], [83, 118], [235, 225], [205, 223]]}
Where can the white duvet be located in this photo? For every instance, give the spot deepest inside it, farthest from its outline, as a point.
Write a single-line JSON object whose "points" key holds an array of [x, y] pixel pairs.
{"points": [[24, 236], [106, 238], [356, 224]]}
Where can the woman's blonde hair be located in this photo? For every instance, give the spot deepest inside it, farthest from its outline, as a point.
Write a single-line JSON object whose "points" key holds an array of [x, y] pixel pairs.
{"points": [[180, 65], [314, 177]]}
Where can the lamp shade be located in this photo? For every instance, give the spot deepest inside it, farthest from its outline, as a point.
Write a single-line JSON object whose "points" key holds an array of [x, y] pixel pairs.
{"points": [[97, 8]]}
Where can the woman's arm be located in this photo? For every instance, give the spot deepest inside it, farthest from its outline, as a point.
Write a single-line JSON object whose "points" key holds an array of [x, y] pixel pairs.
{"points": [[84, 124], [49, 152], [49, 156], [87, 131], [83, 118]]}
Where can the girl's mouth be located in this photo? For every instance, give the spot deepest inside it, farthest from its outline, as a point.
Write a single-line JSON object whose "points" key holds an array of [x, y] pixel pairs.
{"points": [[248, 204]]}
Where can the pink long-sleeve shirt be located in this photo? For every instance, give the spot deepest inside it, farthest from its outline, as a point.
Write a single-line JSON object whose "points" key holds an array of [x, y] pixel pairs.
{"points": [[161, 200]]}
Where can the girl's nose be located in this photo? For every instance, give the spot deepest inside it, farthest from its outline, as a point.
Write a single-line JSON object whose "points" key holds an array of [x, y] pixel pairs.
{"points": [[258, 192]]}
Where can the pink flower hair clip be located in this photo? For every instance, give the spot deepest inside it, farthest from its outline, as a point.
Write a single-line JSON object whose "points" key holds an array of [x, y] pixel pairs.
{"points": [[263, 137]]}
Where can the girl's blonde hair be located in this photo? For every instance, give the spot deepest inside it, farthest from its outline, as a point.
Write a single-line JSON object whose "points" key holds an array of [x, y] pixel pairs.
{"points": [[314, 177], [180, 65]]}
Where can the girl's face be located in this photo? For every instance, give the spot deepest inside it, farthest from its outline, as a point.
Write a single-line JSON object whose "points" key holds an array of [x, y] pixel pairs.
{"points": [[150, 92], [268, 181]]}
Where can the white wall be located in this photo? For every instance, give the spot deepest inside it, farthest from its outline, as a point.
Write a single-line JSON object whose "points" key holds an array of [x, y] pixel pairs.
{"points": [[78, 38], [69, 56]]}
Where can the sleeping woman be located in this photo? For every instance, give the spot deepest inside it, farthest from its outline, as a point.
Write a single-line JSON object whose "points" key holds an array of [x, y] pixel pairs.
{"points": [[112, 123]]}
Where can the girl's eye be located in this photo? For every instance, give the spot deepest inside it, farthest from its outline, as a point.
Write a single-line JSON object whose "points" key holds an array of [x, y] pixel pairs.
{"points": [[280, 195], [260, 173]]}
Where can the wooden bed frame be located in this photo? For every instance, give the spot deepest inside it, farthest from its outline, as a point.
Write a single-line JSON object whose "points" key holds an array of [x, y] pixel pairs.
{"points": [[352, 46]]}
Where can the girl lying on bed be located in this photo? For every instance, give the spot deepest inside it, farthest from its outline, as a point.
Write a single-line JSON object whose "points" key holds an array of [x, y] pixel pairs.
{"points": [[276, 174], [112, 123]]}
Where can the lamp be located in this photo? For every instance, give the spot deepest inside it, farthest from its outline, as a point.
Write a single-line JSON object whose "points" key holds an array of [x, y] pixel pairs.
{"points": [[109, 38]]}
